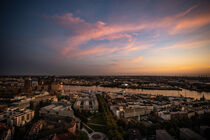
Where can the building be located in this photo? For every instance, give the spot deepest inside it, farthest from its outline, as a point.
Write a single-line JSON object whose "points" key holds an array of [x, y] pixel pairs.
{"points": [[20, 118], [56, 86], [28, 84], [72, 127], [116, 110], [163, 135], [164, 115], [6, 132], [87, 103], [134, 134], [179, 114], [35, 129], [54, 110], [34, 83], [17, 117], [43, 99], [187, 134], [191, 114], [131, 112], [135, 112]]}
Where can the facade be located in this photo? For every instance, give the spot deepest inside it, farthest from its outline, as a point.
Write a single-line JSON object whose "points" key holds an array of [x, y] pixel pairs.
{"points": [[131, 112], [28, 83], [19, 117], [135, 112], [179, 115], [164, 115]]}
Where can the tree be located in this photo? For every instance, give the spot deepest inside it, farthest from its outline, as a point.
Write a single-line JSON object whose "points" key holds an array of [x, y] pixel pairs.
{"points": [[81, 136]]}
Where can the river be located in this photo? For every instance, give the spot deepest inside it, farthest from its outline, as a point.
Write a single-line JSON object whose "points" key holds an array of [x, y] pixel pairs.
{"points": [[184, 92]]}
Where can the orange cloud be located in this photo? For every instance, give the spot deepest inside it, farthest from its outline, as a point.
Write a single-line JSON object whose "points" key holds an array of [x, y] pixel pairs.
{"points": [[131, 47], [165, 70], [190, 23], [137, 59], [116, 36], [186, 45]]}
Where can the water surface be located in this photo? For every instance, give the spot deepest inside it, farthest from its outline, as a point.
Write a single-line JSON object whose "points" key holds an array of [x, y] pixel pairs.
{"points": [[184, 92]]}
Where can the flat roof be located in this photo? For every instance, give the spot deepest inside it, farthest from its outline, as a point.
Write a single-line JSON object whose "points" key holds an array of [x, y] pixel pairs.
{"points": [[164, 135], [191, 134], [58, 108], [49, 106]]}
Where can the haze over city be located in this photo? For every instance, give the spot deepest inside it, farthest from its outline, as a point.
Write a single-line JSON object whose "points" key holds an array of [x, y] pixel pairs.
{"points": [[105, 37]]}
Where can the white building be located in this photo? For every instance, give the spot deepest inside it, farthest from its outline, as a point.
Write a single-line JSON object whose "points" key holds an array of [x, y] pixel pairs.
{"points": [[131, 112]]}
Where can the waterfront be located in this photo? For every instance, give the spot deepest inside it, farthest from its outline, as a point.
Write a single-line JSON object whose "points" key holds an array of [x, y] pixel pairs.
{"points": [[183, 92]]}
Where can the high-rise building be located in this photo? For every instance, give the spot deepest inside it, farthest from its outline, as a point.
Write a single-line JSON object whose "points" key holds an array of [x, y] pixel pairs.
{"points": [[28, 83]]}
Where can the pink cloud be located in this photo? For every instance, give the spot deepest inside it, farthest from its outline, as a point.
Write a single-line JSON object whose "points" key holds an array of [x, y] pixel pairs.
{"points": [[190, 24], [101, 50], [81, 32], [136, 59], [98, 50], [182, 14], [116, 36], [84, 31]]}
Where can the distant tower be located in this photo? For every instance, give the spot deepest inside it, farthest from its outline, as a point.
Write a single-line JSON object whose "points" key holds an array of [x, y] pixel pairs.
{"points": [[28, 83]]}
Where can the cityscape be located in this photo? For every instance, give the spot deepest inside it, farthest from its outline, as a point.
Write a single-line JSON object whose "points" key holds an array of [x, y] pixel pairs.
{"points": [[105, 70]]}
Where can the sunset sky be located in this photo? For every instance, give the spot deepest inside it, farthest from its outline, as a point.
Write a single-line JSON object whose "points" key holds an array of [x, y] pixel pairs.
{"points": [[105, 37]]}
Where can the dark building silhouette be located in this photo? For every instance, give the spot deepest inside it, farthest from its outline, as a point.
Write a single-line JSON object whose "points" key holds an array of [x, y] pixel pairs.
{"points": [[28, 84]]}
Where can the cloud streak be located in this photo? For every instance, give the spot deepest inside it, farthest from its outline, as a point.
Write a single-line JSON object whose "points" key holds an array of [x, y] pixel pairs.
{"points": [[185, 45], [124, 36], [81, 32]]}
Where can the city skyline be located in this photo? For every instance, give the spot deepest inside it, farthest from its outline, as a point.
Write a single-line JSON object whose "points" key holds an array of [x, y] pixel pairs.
{"points": [[105, 37]]}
